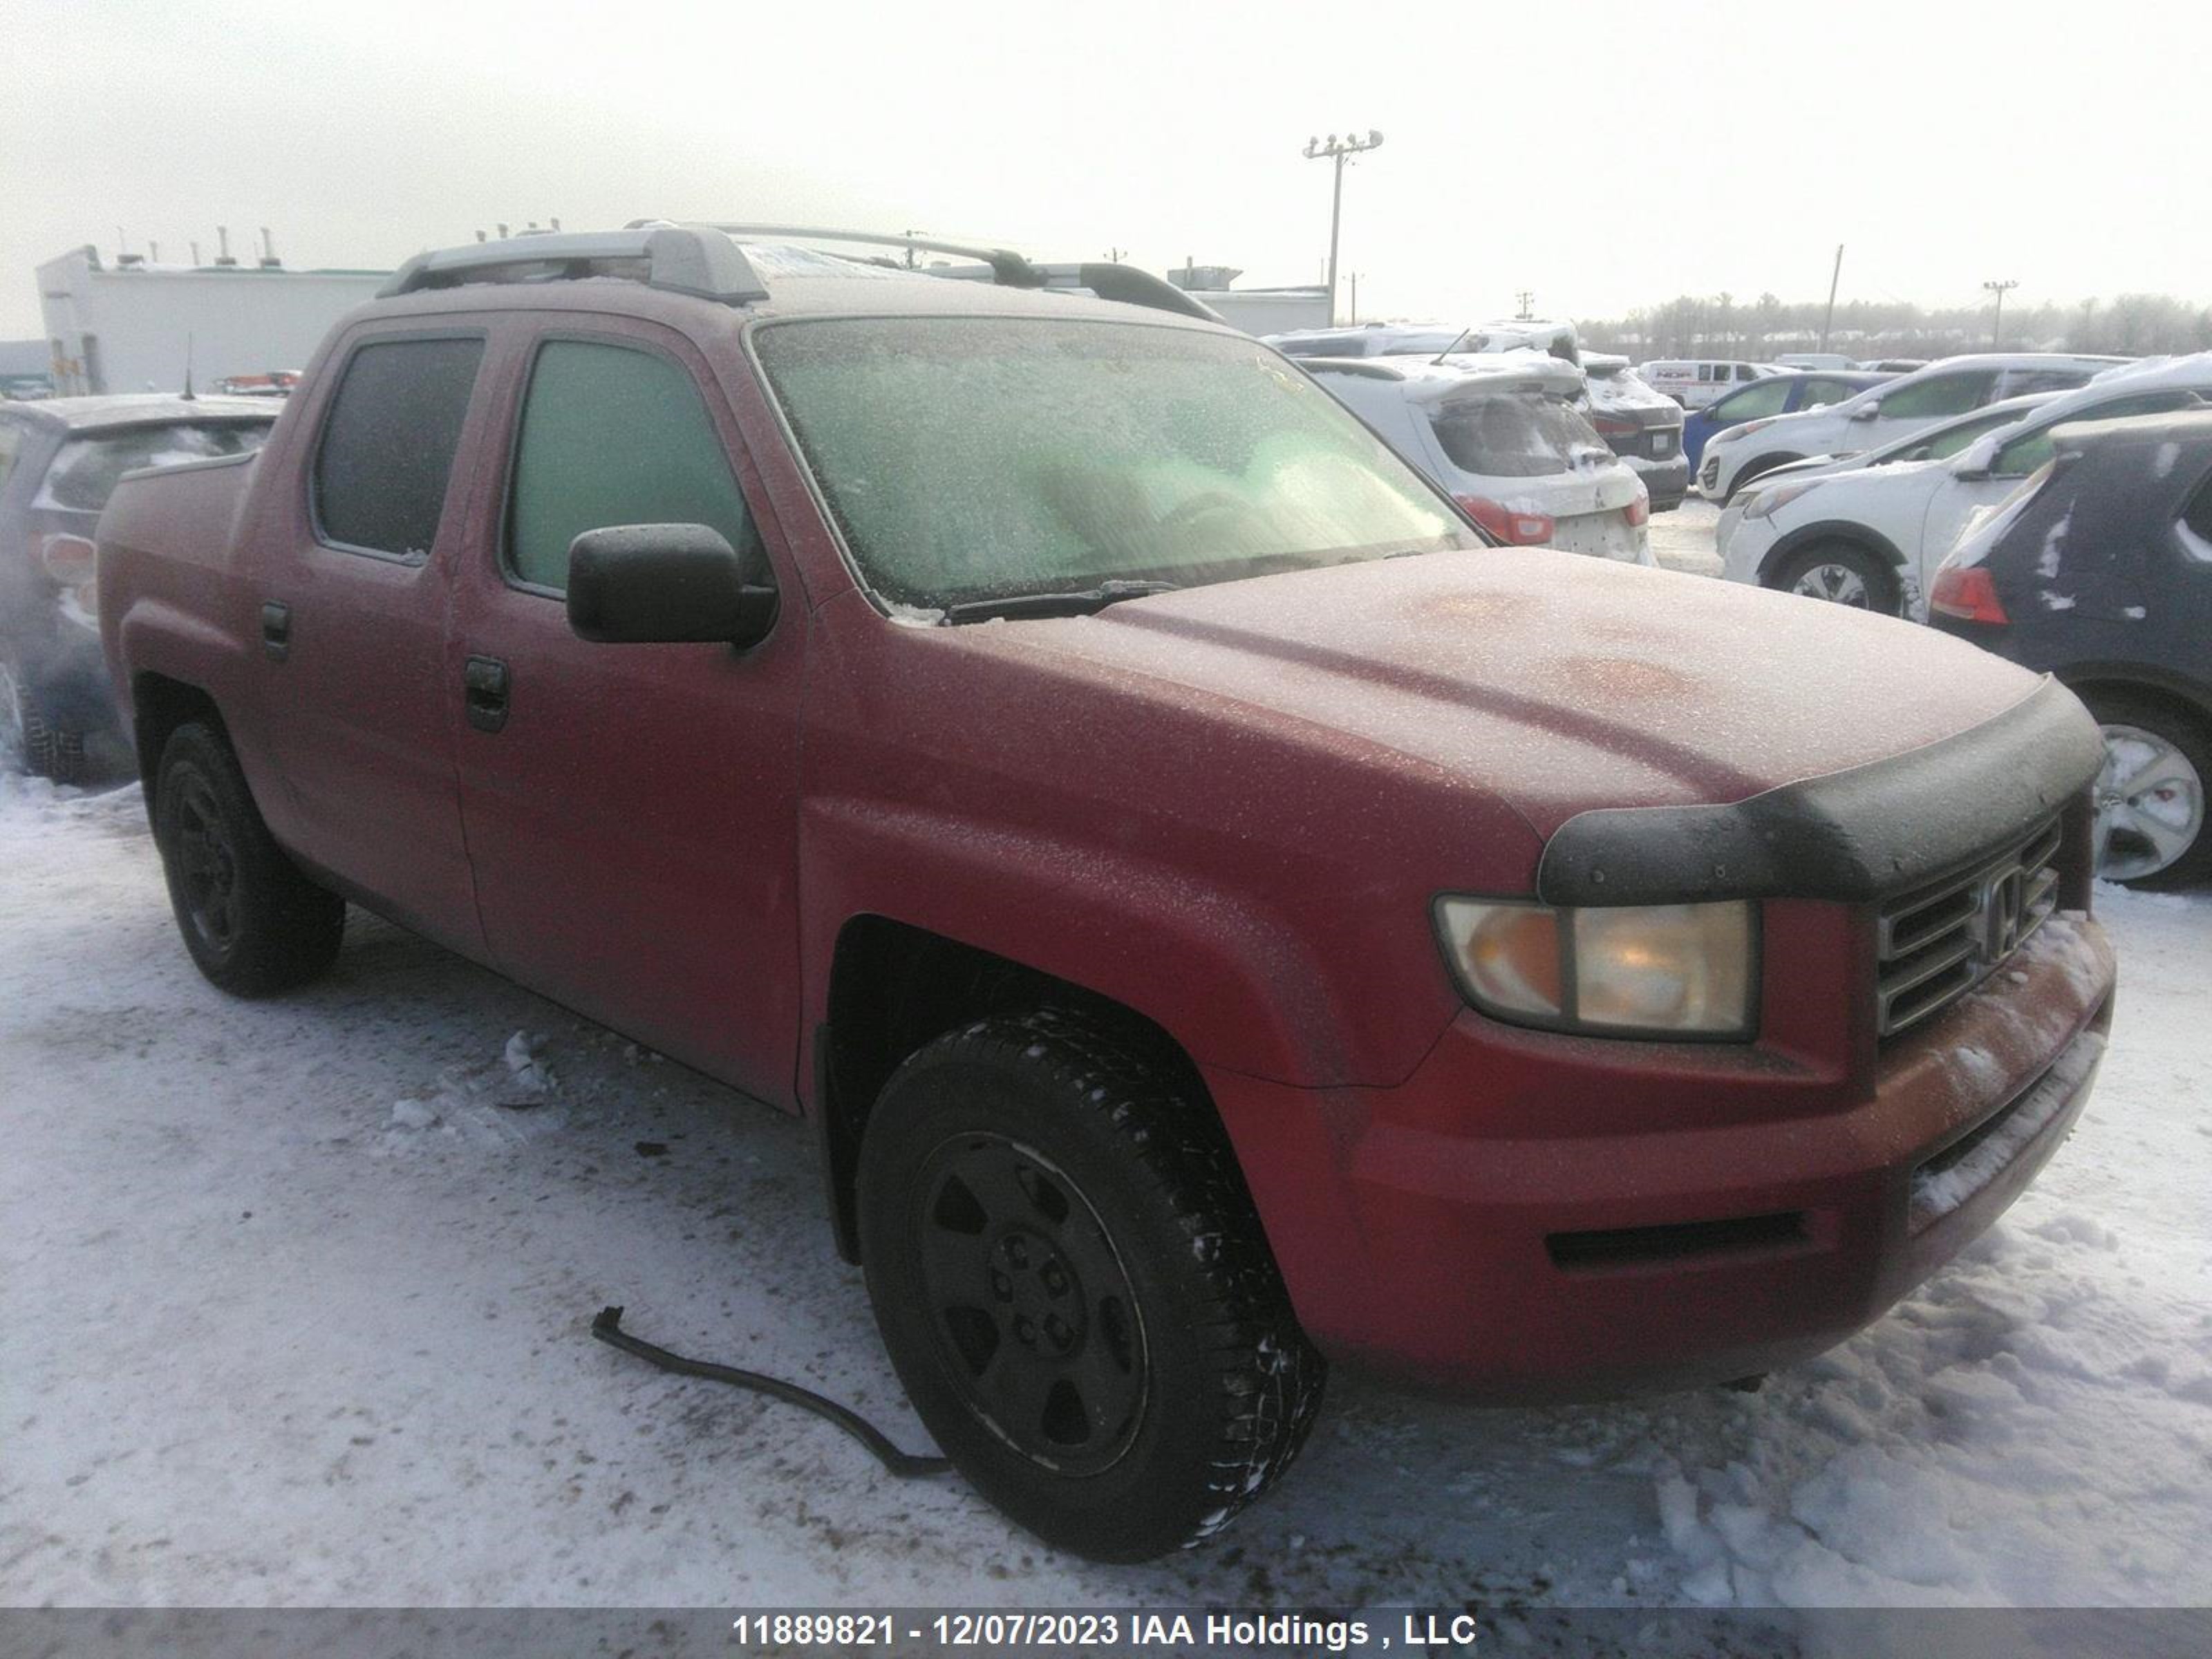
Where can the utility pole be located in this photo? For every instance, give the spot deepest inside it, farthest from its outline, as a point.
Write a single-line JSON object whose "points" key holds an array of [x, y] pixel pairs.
{"points": [[1996, 324], [1338, 150], [1834, 277], [1527, 298], [1354, 317]]}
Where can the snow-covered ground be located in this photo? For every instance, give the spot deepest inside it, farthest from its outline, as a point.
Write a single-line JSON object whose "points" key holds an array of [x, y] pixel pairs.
{"points": [[294, 1298]]}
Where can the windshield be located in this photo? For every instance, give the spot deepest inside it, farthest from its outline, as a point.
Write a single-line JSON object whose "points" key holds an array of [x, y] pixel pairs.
{"points": [[1516, 435], [968, 458], [85, 472]]}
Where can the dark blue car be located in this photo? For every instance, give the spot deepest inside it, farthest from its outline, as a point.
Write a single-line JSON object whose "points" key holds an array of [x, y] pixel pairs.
{"points": [[2099, 570], [1778, 394]]}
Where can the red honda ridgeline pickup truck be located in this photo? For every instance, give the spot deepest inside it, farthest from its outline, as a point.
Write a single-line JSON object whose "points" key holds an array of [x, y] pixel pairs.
{"points": [[1216, 910]]}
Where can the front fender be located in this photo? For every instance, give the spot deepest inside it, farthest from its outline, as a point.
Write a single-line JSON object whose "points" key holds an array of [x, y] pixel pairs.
{"points": [[1235, 983]]}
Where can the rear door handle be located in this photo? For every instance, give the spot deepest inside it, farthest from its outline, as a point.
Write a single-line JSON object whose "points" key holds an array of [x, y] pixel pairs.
{"points": [[485, 682], [276, 630]]}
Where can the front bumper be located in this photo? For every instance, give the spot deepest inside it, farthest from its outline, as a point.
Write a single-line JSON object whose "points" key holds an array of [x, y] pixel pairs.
{"points": [[1743, 543], [1534, 1217]]}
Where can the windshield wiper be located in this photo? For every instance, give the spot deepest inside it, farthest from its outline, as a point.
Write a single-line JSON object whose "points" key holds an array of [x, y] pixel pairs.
{"points": [[1078, 601]]}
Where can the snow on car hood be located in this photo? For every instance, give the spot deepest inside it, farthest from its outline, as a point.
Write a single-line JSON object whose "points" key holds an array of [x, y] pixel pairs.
{"points": [[1553, 683]]}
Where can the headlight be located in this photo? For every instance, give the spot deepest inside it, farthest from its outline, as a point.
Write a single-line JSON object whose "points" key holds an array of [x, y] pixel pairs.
{"points": [[1765, 501], [1729, 434], [1636, 970]]}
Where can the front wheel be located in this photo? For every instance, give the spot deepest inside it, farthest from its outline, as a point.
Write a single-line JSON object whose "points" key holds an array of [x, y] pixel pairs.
{"points": [[1843, 574], [253, 924], [2150, 795], [1072, 1281]]}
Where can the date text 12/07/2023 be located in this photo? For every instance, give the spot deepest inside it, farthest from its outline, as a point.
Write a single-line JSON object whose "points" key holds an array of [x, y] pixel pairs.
{"points": [[1001, 1631]]}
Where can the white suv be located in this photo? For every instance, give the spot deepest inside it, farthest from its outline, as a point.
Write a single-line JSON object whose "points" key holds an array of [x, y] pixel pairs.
{"points": [[1896, 408], [1872, 537], [1502, 435]]}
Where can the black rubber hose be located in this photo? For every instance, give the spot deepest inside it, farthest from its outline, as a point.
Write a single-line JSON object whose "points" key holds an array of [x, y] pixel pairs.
{"points": [[907, 1466]]}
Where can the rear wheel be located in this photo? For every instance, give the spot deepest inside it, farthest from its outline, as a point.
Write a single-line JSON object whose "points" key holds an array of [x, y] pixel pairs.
{"points": [[1841, 573], [1071, 1278], [2150, 795], [30, 735], [253, 924]]}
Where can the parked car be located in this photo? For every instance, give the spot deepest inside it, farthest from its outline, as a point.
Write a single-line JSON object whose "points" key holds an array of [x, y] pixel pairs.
{"points": [[276, 383], [1693, 382], [1644, 428], [1872, 537], [1502, 436], [1892, 364], [59, 457], [2098, 569], [1935, 443], [1776, 394], [1882, 413], [1216, 908], [1812, 360]]}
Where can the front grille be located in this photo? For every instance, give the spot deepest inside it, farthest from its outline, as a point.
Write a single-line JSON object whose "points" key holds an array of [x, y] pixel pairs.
{"points": [[1936, 943], [1709, 475]]}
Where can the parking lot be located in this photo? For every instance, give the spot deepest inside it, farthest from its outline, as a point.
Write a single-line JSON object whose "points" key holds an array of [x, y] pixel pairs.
{"points": [[297, 1295]]}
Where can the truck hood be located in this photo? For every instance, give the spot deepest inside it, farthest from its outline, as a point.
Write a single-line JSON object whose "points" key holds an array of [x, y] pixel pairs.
{"points": [[1555, 684]]}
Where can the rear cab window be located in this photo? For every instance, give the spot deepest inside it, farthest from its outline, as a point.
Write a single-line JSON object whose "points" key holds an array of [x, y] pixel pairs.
{"points": [[385, 454]]}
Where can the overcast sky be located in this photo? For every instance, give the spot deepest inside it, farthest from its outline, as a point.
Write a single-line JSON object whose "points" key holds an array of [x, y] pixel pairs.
{"points": [[1602, 154]]}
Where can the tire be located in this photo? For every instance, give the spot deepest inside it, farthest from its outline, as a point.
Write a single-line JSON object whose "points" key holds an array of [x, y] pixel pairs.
{"points": [[1841, 573], [253, 924], [29, 733], [1047, 1166], [2151, 795]]}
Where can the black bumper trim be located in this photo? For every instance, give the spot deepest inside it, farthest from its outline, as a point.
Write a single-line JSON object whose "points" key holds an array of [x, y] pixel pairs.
{"points": [[1851, 836]]}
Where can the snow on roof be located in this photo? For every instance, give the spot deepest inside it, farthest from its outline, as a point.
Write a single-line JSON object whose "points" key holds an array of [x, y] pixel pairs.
{"points": [[1430, 380], [141, 409]]}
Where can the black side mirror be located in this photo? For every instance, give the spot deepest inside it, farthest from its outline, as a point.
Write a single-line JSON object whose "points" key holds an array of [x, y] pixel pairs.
{"points": [[664, 584]]}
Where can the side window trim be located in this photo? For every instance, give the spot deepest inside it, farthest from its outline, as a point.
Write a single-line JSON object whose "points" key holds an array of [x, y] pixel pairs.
{"points": [[313, 507], [705, 389]]}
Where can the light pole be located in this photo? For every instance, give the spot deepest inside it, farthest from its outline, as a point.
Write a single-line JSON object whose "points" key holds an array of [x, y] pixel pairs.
{"points": [[1338, 150], [1996, 324]]}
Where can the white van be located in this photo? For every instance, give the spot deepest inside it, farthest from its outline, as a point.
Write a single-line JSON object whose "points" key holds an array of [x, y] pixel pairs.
{"points": [[1693, 382]]}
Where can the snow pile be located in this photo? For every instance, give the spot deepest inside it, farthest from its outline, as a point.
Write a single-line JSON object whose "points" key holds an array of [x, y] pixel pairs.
{"points": [[490, 1104]]}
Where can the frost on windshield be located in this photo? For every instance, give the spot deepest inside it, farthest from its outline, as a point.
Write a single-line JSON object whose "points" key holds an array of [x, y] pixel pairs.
{"points": [[975, 457]]}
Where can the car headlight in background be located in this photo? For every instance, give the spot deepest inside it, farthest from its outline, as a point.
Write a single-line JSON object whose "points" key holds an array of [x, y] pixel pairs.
{"points": [[1633, 970], [1767, 500], [1729, 434]]}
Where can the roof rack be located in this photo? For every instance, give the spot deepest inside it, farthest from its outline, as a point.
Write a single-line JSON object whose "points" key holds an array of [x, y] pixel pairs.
{"points": [[706, 260], [694, 260], [1127, 284]]}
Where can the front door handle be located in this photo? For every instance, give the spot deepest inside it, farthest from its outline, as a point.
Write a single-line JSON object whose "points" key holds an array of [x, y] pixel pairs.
{"points": [[276, 630], [486, 681]]}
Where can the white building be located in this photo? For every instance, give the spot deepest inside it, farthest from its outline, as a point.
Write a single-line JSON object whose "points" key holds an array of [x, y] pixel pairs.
{"points": [[128, 327]]}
